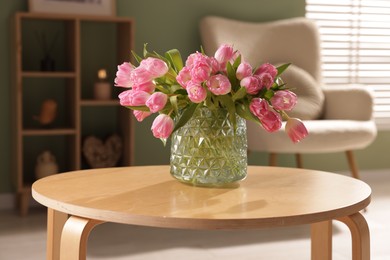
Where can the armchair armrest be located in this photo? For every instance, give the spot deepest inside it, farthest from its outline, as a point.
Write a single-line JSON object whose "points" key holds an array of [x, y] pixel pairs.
{"points": [[348, 102]]}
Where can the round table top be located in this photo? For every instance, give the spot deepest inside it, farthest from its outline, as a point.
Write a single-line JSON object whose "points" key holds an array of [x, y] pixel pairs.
{"points": [[149, 196]]}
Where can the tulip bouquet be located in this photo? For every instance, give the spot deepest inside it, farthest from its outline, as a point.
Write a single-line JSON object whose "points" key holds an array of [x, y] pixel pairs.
{"points": [[173, 89]]}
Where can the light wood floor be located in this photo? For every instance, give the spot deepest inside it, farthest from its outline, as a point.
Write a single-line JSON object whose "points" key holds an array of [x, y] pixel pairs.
{"points": [[24, 238]]}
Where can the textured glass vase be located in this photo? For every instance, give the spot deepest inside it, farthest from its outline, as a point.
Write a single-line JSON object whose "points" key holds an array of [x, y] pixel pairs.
{"points": [[207, 152]]}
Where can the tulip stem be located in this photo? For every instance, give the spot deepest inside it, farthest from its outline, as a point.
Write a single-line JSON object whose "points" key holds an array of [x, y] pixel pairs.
{"points": [[284, 115]]}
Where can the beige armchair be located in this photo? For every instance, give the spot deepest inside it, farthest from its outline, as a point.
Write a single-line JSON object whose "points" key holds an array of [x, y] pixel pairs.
{"points": [[339, 119]]}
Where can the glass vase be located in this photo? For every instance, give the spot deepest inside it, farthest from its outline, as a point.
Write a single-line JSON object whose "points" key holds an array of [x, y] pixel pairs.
{"points": [[208, 151]]}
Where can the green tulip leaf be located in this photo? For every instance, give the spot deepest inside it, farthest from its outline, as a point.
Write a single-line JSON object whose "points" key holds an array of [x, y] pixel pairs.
{"points": [[244, 112], [241, 93], [173, 100], [140, 108], [237, 63], [136, 57], [175, 59], [228, 103], [187, 114], [282, 68]]}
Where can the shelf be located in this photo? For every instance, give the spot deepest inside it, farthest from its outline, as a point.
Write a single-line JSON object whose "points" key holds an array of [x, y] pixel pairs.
{"points": [[54, 131], [78, 53], [92, 102], [73, 17], [48, 74]]}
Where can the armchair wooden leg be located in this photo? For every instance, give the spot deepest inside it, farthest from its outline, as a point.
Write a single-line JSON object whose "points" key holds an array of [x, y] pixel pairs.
{"points": [[272, 159], [352, 164], [298, 159]]}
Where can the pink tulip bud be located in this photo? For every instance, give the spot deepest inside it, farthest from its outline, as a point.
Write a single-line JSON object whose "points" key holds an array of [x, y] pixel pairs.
{"points": [[141, 115], [251, 84], [196, 93], [123, 75], [196, 59], [147, 87], [266, 80], [162, 126], [296, 130], [184, 77], [156, 101], [267, 68], [215, 66], [156, 67], [224, 53], [219, 84], [258, 107], [200, 72], [133, 98], [284, 100], [140, 75], [244, 70], [271, 121]]}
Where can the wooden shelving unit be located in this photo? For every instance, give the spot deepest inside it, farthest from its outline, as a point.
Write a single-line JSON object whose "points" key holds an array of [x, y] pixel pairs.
{"points": [[71, 84]]}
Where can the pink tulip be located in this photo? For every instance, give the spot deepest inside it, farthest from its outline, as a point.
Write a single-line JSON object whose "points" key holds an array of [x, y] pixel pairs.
{"points": [[244, 70], [266, 80], [184, 77], [196, 58], [162, 126], [156, 67], [251, 84], [284, 100], [296, 130], [123, 75], [133, 98], [224, 53], [156, 101], [267, 68], [196, 93], [215, 66], [141, 115], [258, 107], [140, 75], [219, 84], [147, 87], [271, 121], [200, 72]]}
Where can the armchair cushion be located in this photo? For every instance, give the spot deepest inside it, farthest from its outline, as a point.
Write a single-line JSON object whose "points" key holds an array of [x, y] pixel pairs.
{"points": [[324, 136], [348, 102], [310, 96]]}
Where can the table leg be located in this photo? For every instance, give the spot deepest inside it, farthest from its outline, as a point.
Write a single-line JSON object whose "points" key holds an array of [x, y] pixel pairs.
{"points": [[360, 234], [74, 238], [321, 240], [55, 224]]}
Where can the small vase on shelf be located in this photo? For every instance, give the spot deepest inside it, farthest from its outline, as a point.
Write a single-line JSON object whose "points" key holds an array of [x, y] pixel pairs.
{"points": [[46, 165], [48, 64]]}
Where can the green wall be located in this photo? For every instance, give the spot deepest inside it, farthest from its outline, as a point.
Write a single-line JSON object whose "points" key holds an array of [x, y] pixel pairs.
{"points": [[174, 24]]}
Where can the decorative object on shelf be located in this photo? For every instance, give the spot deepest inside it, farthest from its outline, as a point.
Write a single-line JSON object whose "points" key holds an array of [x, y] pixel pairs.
{"points": [[90, 7], [180, 93], [46, 165], [101, 155], [47, 63], [48, 112], [102, 88]]}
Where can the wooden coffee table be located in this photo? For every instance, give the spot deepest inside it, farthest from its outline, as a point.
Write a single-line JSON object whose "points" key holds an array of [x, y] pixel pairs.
{"points": [[148, 196]]}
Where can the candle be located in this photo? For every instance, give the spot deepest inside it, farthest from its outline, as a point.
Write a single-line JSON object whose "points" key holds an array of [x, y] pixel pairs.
{"points": [[102, 88]]}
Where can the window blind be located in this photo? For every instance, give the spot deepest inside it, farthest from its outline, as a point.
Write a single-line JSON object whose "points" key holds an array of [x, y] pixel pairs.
{"points": [[355, 41]]}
